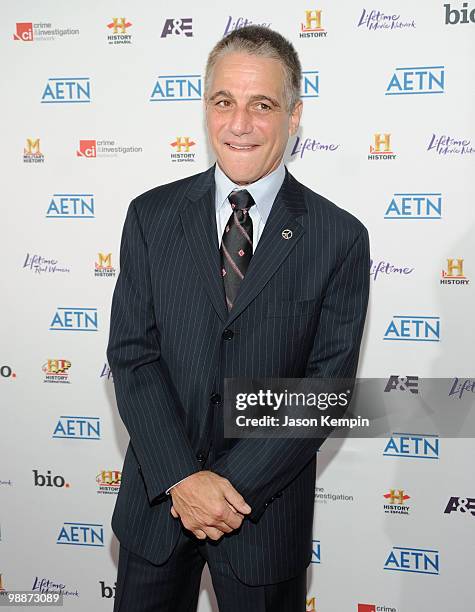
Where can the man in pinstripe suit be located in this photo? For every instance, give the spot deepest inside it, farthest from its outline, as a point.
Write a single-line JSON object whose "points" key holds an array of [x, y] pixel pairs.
{"points": [[239, 271]]}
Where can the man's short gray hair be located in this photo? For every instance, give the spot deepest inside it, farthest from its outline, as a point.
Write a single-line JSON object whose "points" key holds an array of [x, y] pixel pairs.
{"points": [[263, 42]]}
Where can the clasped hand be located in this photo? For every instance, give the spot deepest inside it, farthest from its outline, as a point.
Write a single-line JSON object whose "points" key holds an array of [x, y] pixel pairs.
{"points": [[208, 505]]}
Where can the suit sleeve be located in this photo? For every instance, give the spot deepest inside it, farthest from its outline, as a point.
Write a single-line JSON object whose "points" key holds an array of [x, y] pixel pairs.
{"points": [[260, 468], [146, 401]]}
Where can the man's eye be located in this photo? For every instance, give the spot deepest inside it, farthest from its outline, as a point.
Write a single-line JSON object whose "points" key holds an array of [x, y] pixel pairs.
{"points": [[223, 103], [263, 106]]}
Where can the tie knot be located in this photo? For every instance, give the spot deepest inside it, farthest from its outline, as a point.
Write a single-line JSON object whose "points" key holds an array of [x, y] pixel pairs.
{"points": [[241, 199]]}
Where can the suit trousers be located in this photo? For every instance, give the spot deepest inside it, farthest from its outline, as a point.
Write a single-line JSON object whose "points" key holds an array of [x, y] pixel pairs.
{"points": [[175, 585]]}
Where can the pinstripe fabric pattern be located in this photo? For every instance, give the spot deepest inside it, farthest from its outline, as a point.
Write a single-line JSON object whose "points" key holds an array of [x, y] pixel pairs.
{"points": [[299, 312]]}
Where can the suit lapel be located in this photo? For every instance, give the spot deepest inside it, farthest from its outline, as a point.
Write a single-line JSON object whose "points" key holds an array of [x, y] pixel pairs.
{"points": [[199, 225], [281, 233]]}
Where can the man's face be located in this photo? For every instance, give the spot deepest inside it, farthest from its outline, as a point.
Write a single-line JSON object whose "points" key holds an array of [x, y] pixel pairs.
{"points": [[248, 123]]}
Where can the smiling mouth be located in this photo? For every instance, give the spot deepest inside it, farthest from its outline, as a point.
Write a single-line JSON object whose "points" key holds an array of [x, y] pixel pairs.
{"points": [[234, 147]]}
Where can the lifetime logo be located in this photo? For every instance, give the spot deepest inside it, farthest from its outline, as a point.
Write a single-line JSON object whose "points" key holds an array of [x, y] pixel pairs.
{"points": [[67, 90], [413, 328], [178, 27], [417, 80], [177, 88], [374, 608], [454, 16], [316, 551], [414, 560], [412, 446], [81, 534], [24, 31], [415, 206], [78, 428], [402, 383], [310, 84], [71, 206], [382, 147], [74, 319], [312, 28]]}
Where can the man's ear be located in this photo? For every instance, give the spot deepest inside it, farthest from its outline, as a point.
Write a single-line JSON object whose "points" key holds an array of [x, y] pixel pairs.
{"points": [[295, 116]]}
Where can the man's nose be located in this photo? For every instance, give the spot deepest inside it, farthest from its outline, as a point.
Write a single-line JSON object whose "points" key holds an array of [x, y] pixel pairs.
{"points": [[240, 122]]}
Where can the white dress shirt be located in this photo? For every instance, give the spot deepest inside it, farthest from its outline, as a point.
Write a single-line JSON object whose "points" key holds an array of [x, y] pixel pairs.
{"points": [[263, 192]]}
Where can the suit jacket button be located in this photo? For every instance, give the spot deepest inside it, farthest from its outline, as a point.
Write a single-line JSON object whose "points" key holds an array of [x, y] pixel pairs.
{"points": [[201, 456], [215, 399], [228, 334]]}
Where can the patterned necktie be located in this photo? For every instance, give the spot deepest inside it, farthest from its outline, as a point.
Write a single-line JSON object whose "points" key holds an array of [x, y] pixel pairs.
{"points": [[236, 244]]}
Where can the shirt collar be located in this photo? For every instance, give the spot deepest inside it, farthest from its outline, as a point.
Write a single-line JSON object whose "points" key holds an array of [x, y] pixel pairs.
{"points": [[263, 191]]}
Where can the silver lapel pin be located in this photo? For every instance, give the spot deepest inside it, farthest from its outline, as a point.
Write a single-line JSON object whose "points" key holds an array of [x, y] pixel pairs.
{"points": [[287, 234]]}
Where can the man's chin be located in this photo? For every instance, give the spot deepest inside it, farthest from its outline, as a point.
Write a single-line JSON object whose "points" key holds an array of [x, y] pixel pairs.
{"points": [[241, 174]]}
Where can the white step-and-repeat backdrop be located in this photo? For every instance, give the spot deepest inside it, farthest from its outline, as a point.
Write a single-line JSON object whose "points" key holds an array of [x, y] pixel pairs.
{"points": [[102, 101]]}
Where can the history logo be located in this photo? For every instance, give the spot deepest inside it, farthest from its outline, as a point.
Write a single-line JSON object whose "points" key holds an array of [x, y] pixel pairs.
{"points": [[312, 26], [453, 274], [119, 31], [396, 502], [108, 482], [381, 147], [182, 153], [56, 371]]}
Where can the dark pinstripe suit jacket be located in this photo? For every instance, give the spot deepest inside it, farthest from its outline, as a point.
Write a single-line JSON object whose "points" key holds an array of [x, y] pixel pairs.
{"points": [[299, 313]]}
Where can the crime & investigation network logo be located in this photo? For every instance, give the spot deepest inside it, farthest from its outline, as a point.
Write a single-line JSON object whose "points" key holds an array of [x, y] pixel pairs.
{"points": [[312, 26], [103, 266], [91, 149], [181, 150], [119, 31], [364, 607], [327, 497], [32, 153], [396, 502], [56, 371], [108, 482], [381, 148], [454, 274], [27, 31]]}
